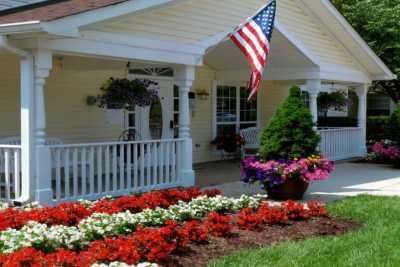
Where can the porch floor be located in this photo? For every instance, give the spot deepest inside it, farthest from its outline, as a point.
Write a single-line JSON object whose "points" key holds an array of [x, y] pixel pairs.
{"points": [[348, 179]]}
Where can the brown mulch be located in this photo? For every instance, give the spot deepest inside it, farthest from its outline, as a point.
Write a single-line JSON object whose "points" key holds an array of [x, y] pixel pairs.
{"points": [[200, 255]]}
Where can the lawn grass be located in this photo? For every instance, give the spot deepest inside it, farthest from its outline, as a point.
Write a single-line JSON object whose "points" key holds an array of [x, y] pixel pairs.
{"points": [[376, 244]]}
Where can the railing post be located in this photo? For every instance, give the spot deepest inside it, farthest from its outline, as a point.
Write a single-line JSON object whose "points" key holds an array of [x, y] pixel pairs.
{"points": [[184, 77], [44, 190]]}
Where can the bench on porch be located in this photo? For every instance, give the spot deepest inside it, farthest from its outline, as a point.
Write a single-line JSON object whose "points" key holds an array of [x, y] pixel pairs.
{"points": [[252, 141]]}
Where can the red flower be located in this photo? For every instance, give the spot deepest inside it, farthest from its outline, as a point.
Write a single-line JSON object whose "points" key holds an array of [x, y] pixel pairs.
{"points": [[316, 209], [249, 219], [295, 211], [218, 225], [195, 232], [272, 215], [71, 214]]}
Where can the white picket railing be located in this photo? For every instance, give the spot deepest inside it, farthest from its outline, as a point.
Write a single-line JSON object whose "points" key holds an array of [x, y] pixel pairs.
{"points": [[341, 143], [10, 172], [93, 170]]}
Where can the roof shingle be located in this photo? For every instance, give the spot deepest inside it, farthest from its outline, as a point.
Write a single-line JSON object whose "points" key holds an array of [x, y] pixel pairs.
{"points": [[54, 10]]}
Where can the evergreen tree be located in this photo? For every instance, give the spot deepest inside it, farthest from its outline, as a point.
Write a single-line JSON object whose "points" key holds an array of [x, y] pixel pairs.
{"points": [[290, 132]]}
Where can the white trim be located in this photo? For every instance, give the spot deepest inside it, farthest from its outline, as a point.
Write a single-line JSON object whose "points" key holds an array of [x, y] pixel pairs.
{"points": [[273, 74], [21, 27], [214, 108], [92, 48], [132, 40], [340, 73]]}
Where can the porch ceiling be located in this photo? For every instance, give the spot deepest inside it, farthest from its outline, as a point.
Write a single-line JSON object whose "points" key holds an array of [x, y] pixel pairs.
{"points": [[284, 55]]}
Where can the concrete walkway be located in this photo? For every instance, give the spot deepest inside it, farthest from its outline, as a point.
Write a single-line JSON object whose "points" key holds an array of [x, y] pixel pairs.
{"points": [[348, 179]]}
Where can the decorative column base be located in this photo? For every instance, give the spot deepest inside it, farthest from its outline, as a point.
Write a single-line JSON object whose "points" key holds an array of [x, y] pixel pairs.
{"points": [[186, 174], [44, 192]]}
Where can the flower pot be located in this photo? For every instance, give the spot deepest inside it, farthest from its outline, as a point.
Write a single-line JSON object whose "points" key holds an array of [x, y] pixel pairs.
{"points": [[291, 189]]}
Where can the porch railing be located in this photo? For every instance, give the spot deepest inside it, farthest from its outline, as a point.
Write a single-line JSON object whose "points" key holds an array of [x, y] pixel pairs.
{"points": [[341, 143], [93, 170], [10, 172]]}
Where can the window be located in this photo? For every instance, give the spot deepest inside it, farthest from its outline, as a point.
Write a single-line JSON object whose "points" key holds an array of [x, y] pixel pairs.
{"points": [[233, 111]]}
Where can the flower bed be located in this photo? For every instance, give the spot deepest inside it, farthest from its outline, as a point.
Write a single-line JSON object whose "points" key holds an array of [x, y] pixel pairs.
{"points": [[70, 214], [128, 234], [384, 152], [276, 172]]}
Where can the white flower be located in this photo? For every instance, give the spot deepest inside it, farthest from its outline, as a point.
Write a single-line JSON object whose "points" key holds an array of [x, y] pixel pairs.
{"points": [[121, 264], [100, 225]]}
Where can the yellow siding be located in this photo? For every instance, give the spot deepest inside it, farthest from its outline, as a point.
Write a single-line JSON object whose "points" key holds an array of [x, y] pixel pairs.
{"points": [[71, 81], [311, 34], [202, 118], [9, 96], [272, 94], [194, 21]]}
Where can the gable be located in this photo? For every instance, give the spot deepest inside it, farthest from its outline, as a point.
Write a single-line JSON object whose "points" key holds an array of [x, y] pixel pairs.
{"points": [[312, 35], [193, 21]]}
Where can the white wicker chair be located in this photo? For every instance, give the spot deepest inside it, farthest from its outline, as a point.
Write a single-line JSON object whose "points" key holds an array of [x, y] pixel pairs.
{"points": [[252, 140]]}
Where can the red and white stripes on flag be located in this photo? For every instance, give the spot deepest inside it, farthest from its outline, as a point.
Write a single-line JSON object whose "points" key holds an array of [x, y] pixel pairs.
{"points": [[253, 39]]}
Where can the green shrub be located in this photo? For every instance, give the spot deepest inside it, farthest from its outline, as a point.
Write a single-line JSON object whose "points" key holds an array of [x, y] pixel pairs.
{"points": [[290, 132], [377, 128], [394, 125]]}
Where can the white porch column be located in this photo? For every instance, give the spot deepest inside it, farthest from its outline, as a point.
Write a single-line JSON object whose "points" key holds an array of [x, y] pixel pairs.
{"points": [[43, 64], [27, 123], [184, 77], [313, 88], [362, 91]]}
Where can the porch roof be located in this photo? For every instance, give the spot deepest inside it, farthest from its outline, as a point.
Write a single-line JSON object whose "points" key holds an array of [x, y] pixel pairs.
{"points": [[181, 31], [52, 10]]}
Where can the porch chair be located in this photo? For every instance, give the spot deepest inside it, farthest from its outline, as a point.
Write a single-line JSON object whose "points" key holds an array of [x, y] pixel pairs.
{"points": [[252, 141]]}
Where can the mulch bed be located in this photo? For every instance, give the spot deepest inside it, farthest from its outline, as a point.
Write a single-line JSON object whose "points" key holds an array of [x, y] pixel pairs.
{"points": [[200, 255]]}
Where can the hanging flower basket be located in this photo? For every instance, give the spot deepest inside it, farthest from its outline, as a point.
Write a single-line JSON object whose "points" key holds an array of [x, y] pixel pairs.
{"points": [[125, 94], [286, 179]]}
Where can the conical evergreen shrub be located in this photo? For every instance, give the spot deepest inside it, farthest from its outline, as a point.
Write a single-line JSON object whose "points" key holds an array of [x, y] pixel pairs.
{"points": [[290, 133]]}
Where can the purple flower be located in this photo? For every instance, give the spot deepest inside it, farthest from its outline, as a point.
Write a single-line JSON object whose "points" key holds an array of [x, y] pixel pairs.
{"points": [[274, 173]]}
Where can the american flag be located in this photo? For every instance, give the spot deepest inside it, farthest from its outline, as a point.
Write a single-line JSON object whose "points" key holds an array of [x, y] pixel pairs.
{"points": [[253, 39]]}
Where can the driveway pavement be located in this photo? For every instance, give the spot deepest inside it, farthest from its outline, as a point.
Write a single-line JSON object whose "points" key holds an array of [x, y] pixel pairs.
{"points": [[348, 179]]}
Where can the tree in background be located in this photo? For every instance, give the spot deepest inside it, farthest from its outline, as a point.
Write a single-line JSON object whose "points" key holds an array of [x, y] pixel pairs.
{"points": [[290, 133], [378, 22]]}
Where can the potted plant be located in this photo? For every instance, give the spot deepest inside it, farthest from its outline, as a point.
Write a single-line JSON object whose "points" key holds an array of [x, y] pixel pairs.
{"points": [[286, 179], [125, 94], [288, 159], [230, 143]]}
